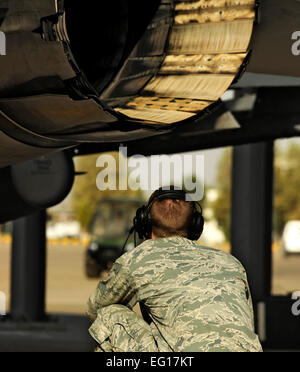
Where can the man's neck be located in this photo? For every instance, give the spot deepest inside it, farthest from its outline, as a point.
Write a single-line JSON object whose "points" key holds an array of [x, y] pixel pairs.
{"points": [[153, 236]]}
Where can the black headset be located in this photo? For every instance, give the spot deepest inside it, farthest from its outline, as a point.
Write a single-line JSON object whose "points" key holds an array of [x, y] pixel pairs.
{"points": [[142, 224], [142, 221]]}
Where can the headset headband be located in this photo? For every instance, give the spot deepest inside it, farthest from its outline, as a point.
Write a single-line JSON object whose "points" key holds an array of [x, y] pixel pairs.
{"points": [[171, 194]]}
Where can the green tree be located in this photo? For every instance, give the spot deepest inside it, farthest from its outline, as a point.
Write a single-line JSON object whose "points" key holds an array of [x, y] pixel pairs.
{"points": [[286, 189], [286, 186], [86, 195], [222, 205]]}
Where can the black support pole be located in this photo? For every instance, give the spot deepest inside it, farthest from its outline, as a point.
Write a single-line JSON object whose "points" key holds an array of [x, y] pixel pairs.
{"points": [[28, 268], [252, 200]]}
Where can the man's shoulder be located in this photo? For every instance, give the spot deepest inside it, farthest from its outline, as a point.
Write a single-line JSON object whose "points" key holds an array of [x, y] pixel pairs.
{"points": [[139, 252], [222, 256], [177, 244], [162, 255]]}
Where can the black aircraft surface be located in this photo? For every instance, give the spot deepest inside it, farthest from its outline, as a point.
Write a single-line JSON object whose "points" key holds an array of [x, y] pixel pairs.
{"points": [[80, 78], [83, 78]]}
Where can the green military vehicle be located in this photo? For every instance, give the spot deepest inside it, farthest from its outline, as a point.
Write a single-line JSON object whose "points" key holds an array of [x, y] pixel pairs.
{"points": [[108, 232]]}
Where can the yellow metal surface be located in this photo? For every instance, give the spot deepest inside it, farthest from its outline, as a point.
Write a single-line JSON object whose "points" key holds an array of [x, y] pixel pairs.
{"points": [[211, 38], [206, 48], [173, 104], [208, 87], [210, 63], [216, 15], [205, 4], [156, 115]]}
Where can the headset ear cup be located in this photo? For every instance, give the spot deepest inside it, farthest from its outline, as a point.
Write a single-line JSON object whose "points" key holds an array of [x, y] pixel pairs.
{"points": [[142, 222], [197, 226], [137, 222], [148, 227]]}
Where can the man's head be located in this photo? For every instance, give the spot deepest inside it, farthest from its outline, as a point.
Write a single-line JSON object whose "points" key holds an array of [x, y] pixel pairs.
{"points": [[171, 217], [169, 214]]}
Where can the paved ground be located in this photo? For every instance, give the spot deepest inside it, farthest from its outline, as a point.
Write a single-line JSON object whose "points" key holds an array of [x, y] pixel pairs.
{"points": [[68, 289]]}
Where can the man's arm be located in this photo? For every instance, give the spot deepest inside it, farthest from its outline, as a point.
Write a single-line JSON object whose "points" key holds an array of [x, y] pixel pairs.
{"points": [[118, 288], [247, 289], [249, 298]]}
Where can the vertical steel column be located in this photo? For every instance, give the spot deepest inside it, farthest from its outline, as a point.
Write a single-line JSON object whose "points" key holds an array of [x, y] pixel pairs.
{"points": [[28, 268], [252, 200]]}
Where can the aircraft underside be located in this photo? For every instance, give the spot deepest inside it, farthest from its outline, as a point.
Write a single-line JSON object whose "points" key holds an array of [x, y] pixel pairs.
{"points": [[74, 73], [148, 74]]}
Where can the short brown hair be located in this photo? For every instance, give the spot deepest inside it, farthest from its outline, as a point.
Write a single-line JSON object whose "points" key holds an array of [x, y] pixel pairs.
{"points": [[171, 218]]}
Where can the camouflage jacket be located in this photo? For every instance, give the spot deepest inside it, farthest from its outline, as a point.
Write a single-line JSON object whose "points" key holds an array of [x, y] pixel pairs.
{"points": [[198, 298]]}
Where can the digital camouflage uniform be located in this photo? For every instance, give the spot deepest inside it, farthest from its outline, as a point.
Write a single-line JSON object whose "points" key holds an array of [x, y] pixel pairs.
{"points": [[198, 299]]}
